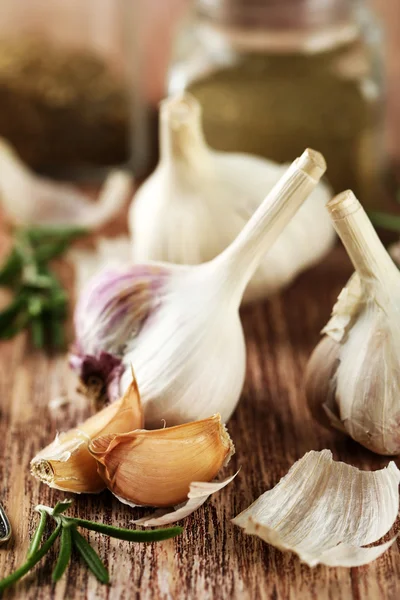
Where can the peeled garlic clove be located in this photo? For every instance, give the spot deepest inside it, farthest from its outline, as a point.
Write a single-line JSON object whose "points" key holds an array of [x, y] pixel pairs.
{"points": [[32, 200], [156, 468], [198, 200], [179, 325], [66, 464], [353, 373], [325, 511], [199, 492]]}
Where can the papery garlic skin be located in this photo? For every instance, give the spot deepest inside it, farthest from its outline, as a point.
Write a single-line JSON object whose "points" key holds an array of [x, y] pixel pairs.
{"points": [[66, 464], [354, 373], [156, 468], [29, 199], [326, 511], [189, 351], [197, 201]]}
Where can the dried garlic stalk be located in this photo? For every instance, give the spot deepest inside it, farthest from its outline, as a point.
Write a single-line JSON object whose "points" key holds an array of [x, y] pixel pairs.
{"points": [[66, 464], [353, 377], [325, 511], [156, 468]]}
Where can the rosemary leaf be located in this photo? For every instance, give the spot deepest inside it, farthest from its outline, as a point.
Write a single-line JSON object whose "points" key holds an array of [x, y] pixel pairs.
{"points": [[131, 535], [90, 556], [64, 554], [11, 269], [385, 220], [37, 536], [31, 562], [61, 507]]}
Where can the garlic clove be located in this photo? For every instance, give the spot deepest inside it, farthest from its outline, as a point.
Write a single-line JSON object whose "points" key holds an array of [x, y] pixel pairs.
{"points": [[353, 373], [326, 511], [198, 200], [320, 372], [29, 199], [156, 468], [199, 492], [66, 464]]}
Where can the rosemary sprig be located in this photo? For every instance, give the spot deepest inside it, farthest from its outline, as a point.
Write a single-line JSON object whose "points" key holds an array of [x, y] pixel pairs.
{"points": [[66, 529], [39, 302], [385, 220]]}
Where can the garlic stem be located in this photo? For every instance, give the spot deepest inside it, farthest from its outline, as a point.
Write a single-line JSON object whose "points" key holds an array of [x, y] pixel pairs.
{"points": [[181, 135], [366, 251], [240, 260]]}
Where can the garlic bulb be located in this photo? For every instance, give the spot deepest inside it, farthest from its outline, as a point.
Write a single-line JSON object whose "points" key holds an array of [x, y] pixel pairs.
{"points": [[353, 377], [66, 463], [179, 325], [32, 200], [198, 200], [156, 468]]}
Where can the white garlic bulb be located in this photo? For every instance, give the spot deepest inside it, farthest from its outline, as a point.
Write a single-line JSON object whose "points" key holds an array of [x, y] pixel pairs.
{"points": [[178, 325], [198, 200], [353, 377]]}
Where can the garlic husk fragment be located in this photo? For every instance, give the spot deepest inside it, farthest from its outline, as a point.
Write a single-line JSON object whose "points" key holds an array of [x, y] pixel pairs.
{"points": [[326, 511], [66, 464], [179, 325], [199, 492], [198, 200], [156, 468], [29, 199], [354, 373]]}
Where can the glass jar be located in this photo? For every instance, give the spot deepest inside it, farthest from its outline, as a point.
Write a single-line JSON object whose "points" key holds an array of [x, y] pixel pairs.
{"points": [[276, 76], [64, 96]]}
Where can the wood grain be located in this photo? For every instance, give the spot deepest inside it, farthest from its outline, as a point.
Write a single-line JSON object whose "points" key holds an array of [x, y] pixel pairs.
{"points": [[213, 559]]}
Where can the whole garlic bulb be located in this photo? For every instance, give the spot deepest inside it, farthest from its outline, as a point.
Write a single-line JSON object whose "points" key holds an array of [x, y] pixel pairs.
{"points": [[198, 200], [353, 376], [178, 325]]}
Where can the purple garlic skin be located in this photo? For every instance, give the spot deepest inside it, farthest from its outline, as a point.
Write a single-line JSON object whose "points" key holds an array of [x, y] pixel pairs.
{"points": [[110, 312]]}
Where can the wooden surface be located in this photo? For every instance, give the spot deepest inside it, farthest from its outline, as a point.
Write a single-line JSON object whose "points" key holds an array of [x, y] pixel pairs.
{"points": [[212, 559]]}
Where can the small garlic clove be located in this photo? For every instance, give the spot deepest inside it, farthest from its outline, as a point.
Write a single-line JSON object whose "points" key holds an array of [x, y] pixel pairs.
{"points": [[67, 464], [29, 199], [320, 384], [326, 511], [156, 468]]}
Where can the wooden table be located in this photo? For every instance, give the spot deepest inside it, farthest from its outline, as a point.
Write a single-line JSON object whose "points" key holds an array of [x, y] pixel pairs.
{"points": [[271, 428]]}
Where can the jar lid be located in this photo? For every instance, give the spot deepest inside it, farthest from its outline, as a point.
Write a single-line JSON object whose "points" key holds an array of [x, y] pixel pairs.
{"points": [[275, 14]]}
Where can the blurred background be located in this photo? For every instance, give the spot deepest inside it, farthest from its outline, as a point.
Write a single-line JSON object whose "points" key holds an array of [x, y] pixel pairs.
{"points": [[80, 81]]}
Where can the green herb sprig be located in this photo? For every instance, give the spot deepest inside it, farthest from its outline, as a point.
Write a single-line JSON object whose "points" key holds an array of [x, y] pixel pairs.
{"points": [[40, 302], [70, 538]]}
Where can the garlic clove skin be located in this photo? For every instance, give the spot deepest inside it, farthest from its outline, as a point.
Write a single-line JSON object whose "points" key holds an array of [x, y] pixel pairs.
{"points": [[66, 464], [199, 492], [29, 199], [353, 373], [198, 200], [187, 345], [156, 468], [326, 511]]}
